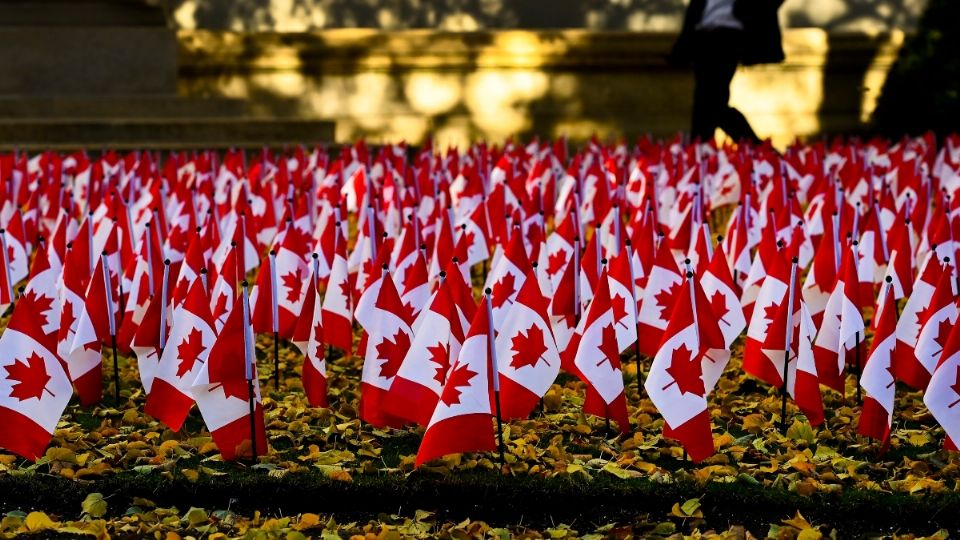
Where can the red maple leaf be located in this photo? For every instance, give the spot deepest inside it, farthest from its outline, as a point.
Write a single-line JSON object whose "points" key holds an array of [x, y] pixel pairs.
{"points": [[234, 388], [718, 305], [407, 313], [893, 375], [346, 290], [318, 333], [924, 316], [10, 255], [413, 278], [619, 305], [955, 387], [189, 350], [178, 238], [527, 349], [144, 289], [686, 371], [293, 284], [38, 304], [667, 298], [460, 377], [770, 315], [469, 238], [297, 239], [556, 262], [503, 290], [609, 347], [393, 352], [31, 377], [440, 355], [66, 317], [943, 332], [221, 306]]}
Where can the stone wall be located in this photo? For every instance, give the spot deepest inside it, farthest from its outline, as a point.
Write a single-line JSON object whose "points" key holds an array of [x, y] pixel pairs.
{"points": [[469, 15], [405, 85]]}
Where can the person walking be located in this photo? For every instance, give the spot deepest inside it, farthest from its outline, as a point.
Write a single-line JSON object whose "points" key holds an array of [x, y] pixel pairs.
{"points": [[717, 36]]}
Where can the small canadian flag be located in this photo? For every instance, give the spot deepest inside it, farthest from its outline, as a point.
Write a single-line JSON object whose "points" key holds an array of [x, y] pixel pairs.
{"points": [[34, 388], [677, 383], [463, 418], [187, 349], [227, 390]]}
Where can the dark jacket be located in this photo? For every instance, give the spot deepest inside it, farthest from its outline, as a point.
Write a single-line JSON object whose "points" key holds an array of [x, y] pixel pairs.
{"points": [[762, 42]]}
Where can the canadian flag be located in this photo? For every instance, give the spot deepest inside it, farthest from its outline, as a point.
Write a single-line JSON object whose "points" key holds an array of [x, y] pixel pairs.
{"points": [[414, 392], [462, 420], [292, 274], [821, 279], [597, 359], [34, 388], [943, 393], [227, 389], [151, 334], [900, 267], [380, 313], [186, 350], [719, 288], [148, 266], [789, 343], [939, 319], [768, 250], [771, 296], [506, 278], [912, 318], [97, 324], [659, 295], [415, 290], [622, 298], [224, 291], [677, 383], [878, 379], [560, 246], [527, 358], [842, 330], [336, 313], [308, 337]]}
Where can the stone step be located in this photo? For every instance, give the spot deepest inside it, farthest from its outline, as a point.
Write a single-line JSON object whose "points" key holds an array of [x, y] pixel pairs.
{"points": [[153, 133], [95, 107]]}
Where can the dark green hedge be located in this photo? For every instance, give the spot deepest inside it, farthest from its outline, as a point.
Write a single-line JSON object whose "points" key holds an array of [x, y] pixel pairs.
{"points": [[922, 91]]}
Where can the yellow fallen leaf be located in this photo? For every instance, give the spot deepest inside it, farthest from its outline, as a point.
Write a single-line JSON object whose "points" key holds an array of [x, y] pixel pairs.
{"points": [[798, 521], [38, 521], [94, 505]]}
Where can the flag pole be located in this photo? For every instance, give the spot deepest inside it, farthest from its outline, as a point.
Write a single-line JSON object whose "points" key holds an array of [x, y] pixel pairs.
{"points": [[104, 261], [248, 370], [636, 343], [856, 264], [495, 376], [275, 316], [164, 291], [786, 351]]}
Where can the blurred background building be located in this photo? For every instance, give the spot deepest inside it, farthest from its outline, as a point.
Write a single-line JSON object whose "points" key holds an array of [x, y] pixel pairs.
{"points": [[132, 72]]}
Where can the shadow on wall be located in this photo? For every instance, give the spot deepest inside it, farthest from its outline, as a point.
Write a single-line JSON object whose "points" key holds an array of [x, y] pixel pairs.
{"points": [[923, 90], [458, 87], [467, 15]]}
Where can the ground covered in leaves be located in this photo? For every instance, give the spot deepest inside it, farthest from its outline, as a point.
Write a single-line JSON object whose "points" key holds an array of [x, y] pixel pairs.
{"points": [[113, 471]]}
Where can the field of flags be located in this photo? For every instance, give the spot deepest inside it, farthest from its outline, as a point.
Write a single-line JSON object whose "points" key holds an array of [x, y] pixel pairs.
{"points": [[469, 281]]}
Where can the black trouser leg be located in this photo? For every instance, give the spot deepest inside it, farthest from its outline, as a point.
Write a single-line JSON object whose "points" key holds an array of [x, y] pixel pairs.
{"points": [[715, 63]]}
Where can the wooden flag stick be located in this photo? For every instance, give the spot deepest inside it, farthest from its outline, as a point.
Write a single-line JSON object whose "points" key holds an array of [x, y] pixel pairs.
{"points": [[248, 369], [859, 370], [786, 351], [108, 291], [275, 315], [496, 379]]}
